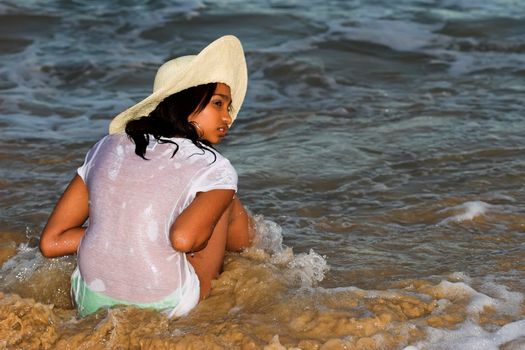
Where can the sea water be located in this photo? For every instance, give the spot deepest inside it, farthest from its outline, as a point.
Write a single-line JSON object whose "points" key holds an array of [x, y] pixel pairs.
{"points": [[380, 148]]}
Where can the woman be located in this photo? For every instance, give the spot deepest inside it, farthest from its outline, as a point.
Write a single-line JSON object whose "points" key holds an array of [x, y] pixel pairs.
{"points": [[160, 199]]}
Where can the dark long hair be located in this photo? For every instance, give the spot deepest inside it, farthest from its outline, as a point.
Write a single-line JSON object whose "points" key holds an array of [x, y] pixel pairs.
{"points": [[170, 119]]}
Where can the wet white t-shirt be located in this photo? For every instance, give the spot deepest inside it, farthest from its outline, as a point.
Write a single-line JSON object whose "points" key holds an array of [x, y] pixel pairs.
{"points": [[126, 252]]}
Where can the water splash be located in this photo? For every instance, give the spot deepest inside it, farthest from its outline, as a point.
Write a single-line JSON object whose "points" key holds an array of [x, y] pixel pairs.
{"points": [[467, 212], [30, 275], [306, 268]]}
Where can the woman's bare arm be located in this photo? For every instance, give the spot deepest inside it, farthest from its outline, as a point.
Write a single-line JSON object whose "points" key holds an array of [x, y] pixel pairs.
{"points": [[213, 222], [193, 227], [63, 231], [240, 227]]}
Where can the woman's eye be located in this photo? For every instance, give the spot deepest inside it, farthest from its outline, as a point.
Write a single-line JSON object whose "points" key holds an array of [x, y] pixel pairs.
{"points": [[218, 103]]}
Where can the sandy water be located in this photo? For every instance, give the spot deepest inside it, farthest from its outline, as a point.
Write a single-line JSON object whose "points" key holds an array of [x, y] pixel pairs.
{"points": [[380, 147]]}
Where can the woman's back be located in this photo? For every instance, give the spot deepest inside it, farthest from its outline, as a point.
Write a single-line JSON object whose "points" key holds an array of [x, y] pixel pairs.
{"points": [[126, 252]]}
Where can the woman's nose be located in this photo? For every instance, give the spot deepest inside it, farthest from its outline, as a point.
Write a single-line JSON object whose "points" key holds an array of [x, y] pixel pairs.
{"points": [[227, 118]]}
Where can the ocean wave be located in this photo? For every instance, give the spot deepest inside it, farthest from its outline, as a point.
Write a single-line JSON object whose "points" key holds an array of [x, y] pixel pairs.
{"points": [[467, 211]]}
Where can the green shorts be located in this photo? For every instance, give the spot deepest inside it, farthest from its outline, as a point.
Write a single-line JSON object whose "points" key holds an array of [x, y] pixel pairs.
{"points": [[177, 303]]}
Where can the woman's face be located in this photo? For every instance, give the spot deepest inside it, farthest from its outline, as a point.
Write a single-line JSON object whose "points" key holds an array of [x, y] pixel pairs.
{"points": [[214, 120]]}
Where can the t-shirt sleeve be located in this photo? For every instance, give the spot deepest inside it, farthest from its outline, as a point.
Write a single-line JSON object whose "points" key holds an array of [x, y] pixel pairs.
{"points": [[219, 175], [83, 170]]}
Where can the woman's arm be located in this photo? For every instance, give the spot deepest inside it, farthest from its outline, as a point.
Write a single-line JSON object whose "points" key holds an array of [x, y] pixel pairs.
{"points": [[240, 227], [63, 231], [213, 222], [193, 227]]}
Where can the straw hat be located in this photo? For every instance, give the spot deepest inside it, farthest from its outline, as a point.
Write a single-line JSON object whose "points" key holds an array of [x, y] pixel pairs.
{"points": [[222, 61]]}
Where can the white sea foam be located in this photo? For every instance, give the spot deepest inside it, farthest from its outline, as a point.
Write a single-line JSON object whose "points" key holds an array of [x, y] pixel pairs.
{"points": [[471, 336], [307, 268], [503, 300], [268, 235], [455, 290], [491, 295], [467, 211]]}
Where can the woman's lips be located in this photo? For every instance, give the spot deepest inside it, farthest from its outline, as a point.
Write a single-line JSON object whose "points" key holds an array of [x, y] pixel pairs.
{"points": [[223, 130]]}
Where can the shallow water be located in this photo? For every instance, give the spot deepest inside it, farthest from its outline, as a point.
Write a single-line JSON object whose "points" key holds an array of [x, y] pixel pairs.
{"points": [[383, 144]]}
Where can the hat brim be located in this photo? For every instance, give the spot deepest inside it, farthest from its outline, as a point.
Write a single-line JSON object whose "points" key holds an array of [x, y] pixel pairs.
{"points": [[222, 61]]}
